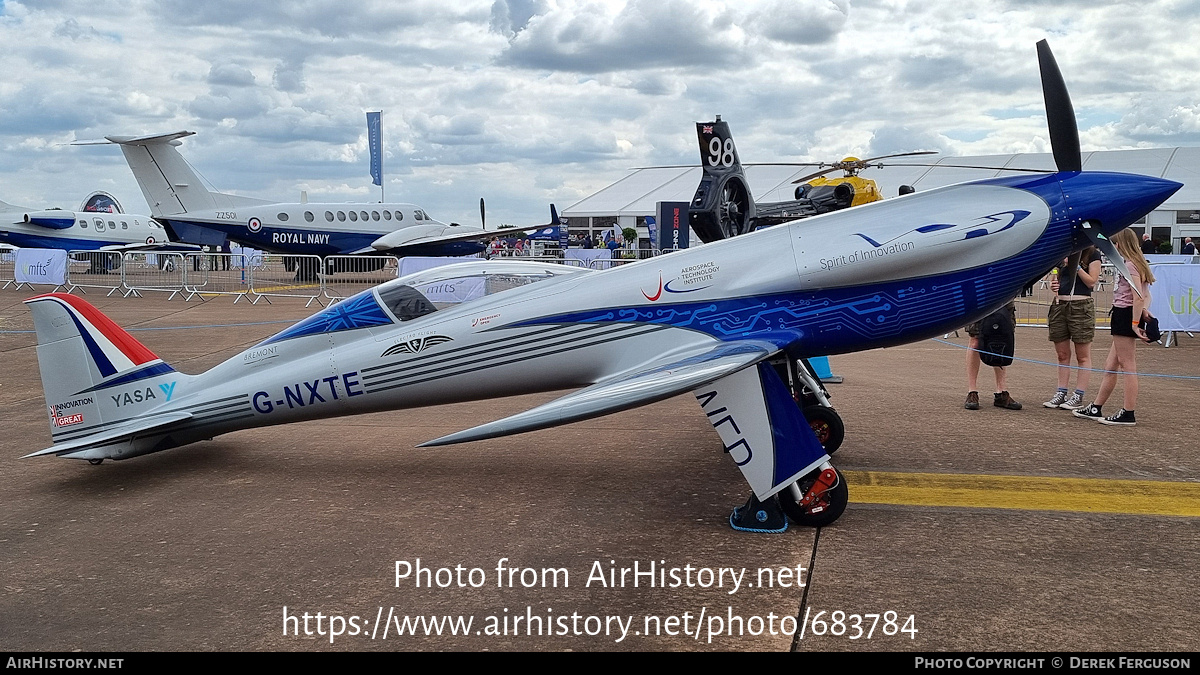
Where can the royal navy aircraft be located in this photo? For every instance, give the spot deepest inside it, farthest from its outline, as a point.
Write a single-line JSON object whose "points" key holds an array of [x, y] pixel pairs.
{"points": [[192, 213], [99, 224], [728, 321]]}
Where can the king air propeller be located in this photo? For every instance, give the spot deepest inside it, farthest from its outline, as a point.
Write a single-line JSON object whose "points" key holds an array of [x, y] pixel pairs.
{"points": [[1064, 142]]}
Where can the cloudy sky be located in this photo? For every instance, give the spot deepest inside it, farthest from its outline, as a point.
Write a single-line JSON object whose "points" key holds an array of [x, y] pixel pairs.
{"points": [[525, 102]]}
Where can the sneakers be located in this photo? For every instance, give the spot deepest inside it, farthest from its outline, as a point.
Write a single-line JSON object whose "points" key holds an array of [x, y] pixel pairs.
{"points": [[1060, 397], [1073, 403], [972, 401], [1123, 418], [1091, 412], [1003, 400]]}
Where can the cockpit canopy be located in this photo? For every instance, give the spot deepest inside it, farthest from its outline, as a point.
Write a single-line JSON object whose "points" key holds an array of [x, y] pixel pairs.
{"points": [[461, 282], [415, 295]]}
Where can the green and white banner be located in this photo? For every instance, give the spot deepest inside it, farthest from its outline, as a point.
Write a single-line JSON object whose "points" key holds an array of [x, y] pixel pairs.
{"points": [[1175, 297]]}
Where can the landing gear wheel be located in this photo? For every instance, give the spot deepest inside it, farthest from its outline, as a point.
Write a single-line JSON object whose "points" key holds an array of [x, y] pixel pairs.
{"points": [[824, 509], [827, 425], [96, 462]]}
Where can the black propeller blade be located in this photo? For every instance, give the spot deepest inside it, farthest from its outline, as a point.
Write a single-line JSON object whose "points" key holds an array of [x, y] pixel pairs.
{"points": [[1106, 246], [1060, 116], [482, 217]]}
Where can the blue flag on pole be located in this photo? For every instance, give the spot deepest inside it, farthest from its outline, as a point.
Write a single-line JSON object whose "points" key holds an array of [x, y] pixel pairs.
{"points": [[375, 141]]}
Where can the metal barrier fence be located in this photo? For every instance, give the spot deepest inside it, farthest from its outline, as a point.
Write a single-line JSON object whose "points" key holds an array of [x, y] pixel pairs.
{"points": [[161, 273], [624, 256], [100, 270], [287, 276], [8, 268], [217, 274], [1033, 309], [345, 275]]}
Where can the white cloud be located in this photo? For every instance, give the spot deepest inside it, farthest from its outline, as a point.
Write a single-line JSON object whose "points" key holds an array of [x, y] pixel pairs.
{"points": [[531, 101]]}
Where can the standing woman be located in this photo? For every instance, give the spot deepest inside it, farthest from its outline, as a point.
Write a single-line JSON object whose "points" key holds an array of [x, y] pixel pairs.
{"points": [[1128, 309], [1072, 320]]}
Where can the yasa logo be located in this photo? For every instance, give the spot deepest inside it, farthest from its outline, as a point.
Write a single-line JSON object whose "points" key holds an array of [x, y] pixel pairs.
{"points": [[983, 226], [416, 345]]}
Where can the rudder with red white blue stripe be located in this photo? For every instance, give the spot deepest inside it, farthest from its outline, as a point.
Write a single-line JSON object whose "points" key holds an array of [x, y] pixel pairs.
{"points": [[86, 359]]}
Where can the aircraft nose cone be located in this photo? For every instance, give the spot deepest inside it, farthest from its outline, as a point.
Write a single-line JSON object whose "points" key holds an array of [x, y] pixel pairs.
{"points": [[1115, 200]]}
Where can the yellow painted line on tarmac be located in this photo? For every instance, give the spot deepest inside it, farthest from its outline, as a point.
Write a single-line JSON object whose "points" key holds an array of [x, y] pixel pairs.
{"points": [[269, 289], [1030, 493], [285, 288]]}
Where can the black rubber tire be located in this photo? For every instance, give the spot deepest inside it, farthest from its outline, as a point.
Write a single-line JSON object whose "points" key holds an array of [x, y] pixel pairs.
{"points": [[827, 425], [836, 499]]}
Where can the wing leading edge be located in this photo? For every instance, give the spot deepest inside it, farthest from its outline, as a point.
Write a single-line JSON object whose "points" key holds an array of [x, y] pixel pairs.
{"points": [[649, 384]]}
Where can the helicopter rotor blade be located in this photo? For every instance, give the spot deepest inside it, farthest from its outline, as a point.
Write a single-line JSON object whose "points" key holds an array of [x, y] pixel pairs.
{"points": [[900, 154], [818, 174]]}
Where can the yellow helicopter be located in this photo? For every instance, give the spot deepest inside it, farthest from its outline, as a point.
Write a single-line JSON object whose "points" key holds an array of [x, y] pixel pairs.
{"points": [[863, 190]]}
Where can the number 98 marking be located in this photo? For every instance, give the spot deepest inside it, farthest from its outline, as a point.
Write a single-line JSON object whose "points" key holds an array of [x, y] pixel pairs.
{"points": [[718, 156]]}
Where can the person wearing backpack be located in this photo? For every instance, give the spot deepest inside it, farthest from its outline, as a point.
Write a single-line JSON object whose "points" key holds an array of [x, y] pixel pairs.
{"points": [[995, 334]]}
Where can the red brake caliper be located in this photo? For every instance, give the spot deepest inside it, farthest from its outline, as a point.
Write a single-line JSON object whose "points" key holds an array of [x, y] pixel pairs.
{"points": [[813, 500]]}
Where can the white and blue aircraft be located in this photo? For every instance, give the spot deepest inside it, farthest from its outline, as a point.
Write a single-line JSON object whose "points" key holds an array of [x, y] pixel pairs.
{"points": [[194, 214], [99, 225], [729, 322]]}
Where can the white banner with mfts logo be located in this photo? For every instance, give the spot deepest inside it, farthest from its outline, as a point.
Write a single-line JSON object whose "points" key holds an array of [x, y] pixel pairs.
{"points": [[41, 266], [1175, 297], [454, 290]]}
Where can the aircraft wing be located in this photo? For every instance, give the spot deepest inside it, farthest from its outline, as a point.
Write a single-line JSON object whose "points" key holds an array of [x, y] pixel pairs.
{"points": [[419, 235], [116, 433], [161, 247], [648, 384]]}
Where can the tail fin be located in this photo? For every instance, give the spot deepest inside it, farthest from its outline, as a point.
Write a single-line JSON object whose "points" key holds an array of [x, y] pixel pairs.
{"points": [[723, 206], [169, 183], [94, 374]]}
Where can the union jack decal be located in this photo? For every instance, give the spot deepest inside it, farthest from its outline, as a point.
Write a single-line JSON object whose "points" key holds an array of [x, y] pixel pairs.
{"points": [[360, 311]]}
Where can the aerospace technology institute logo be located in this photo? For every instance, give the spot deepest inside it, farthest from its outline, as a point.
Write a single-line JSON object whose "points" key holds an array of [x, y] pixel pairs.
{"points": [[415, 345]]}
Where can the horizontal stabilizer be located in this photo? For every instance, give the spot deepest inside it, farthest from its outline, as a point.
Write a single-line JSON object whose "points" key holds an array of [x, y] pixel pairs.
{"points": [[117, 433], [148, 140], [647, 385]]}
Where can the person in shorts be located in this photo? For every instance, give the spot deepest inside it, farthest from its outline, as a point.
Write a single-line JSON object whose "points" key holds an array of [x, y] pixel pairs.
{"points": [[1001, 397], [1129, 308], [1072, 321]]}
